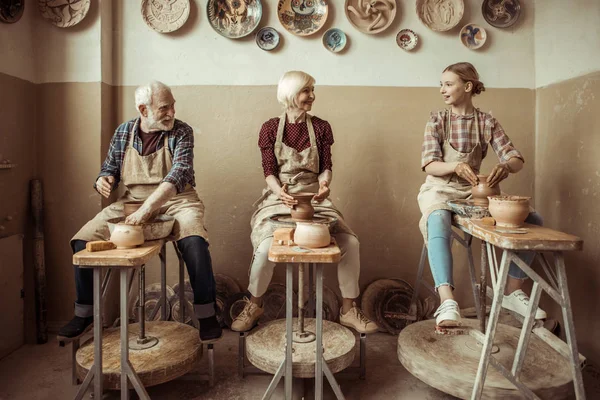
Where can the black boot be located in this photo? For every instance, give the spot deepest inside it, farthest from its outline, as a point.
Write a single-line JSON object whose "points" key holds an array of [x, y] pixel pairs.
{"points": [[75, 328], [210, 329]]}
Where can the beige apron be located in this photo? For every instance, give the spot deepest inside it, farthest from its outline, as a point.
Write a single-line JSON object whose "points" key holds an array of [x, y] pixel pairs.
{"points": [[141, 175], [438, 189], [291, 162]]}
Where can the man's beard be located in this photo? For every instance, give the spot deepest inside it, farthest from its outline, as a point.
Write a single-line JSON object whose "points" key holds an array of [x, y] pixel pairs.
{"points": [[163, 125]]}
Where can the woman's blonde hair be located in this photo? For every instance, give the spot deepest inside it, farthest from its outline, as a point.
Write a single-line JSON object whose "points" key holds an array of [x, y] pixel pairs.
{"points": [[467, 73], [290, 84]]}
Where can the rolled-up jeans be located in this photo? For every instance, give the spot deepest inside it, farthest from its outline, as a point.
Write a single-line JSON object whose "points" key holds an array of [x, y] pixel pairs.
{"points": [[439, 250]]}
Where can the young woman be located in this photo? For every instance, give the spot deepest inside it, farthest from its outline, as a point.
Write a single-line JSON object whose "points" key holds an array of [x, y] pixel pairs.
{"points": [[456, 141], [290, 144]]}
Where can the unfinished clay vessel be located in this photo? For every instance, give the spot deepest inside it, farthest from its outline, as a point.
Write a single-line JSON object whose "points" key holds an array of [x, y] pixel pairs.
{"points": [[482, 190], [127, 236], [129, 207], [311, 234], [509, 211], [303, 211]]}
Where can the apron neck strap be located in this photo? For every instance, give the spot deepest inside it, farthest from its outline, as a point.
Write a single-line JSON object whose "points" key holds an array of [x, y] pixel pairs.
{"points": [[309, 125], [133, 130]]}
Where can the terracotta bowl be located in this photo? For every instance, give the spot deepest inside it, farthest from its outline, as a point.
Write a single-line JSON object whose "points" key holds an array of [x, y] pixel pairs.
{"points": [[129, 207], [482, 190], [509, 211], [127, 236], [303, 211]]}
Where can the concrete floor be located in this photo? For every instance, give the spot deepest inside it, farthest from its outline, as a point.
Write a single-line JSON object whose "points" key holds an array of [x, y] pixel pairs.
{"points": [[43, 372]]}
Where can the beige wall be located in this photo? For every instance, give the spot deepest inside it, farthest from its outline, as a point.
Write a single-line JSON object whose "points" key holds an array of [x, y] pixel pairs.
{"points": [[567, 188]]}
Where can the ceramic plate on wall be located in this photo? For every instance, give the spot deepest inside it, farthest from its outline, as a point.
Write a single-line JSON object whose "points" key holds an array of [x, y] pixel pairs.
{"points": [[473, 36], [334, 40], [440, 15], [302, 17], [501, 13], [370, 16], [267, 38], [407, 39], [11, 10], [234, 18], [64, 13], [165, 16]]}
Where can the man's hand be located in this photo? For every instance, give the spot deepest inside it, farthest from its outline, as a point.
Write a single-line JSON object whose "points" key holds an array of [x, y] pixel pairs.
{"points": [[104, 185], [499, 173], [284, 196], [142, 215], [464, 171], [323, 192]]}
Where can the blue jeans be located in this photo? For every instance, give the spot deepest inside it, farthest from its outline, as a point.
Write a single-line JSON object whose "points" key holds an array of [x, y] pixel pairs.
{"points": [[439, 251]]}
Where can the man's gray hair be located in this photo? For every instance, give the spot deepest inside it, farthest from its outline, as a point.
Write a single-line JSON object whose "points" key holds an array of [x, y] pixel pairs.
{"points": [[143, 94]]}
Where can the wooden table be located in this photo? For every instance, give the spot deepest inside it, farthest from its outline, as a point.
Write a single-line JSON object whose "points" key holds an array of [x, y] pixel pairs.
{"points": [[539, 240], [122, 259], [282, 253]]}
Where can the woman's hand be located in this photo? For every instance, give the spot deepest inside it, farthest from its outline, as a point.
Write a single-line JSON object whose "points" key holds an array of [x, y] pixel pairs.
{"points": [[323, 192], [464, 171], [285, 197], [499, 173]]}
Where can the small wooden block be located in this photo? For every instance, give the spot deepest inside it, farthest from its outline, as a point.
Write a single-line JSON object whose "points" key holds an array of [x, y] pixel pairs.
{"points": [[284, 235], [99, 245]]}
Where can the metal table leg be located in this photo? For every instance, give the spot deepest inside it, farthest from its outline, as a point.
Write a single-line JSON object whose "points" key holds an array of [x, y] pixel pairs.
{"points": [[289, 330]]}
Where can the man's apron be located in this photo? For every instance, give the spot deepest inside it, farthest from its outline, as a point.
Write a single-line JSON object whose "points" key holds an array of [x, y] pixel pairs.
{"points": [[141, 175], [291, 162], [438, 189]]}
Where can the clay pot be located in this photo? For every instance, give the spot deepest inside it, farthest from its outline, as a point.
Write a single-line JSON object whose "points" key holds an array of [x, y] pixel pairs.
{"points": [[129, 207], [127, 236], [482, 190], [312, 235], [509, 211], [303, 211]]}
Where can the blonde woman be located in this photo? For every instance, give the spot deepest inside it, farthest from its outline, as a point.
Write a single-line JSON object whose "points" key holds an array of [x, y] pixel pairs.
{"points": [[292, 143]]}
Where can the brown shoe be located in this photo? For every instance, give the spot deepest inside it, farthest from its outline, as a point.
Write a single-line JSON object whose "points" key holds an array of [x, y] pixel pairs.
{"points": [[356, 320], [248, 317]]}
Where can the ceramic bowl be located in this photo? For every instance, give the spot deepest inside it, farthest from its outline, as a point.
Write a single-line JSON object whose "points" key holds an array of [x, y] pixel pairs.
{"points": [[160, 227], [375, 16], [312, 235], [302, 17], [472, 36], [334, 40], [126, 236], [64, 13], [509, 211], [407, 39], [501, 13], [165, 17], [234, 19], [267, 38], [440, 15]]}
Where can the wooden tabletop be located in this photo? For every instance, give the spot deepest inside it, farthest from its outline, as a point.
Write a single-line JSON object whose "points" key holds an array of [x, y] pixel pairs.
{"points": [[118, 257], [537, 238], [282, 253]]}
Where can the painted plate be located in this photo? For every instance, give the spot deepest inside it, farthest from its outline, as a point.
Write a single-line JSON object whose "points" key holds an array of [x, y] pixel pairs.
{"points": [[302, 17], [370, 17], [165, 16], [440, 15], [64, 13], [472, 36], [11, 10], [334, 40], [267, 38], [234, 18], [407, 39], [501, 13]]}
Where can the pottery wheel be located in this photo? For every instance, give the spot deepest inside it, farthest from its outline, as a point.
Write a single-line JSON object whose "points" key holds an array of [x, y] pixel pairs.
{"points": [[265, 348], [449, 362], [174, 355], [287, 220]]}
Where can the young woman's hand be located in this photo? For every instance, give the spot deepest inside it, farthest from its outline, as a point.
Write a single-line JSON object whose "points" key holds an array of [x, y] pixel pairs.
{"points": [[499, 173], [323, 192], [284, 196], [464, 171]]}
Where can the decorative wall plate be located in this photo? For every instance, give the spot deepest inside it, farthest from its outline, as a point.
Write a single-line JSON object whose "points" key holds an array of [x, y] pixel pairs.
{"points": [[501, 13], [407, 39], [165, 16], [64, 13], [440, 15], [302, 17], [370, 16], [11, 10], [267, 38], [334, 40], [472, 36], [234, 18]]}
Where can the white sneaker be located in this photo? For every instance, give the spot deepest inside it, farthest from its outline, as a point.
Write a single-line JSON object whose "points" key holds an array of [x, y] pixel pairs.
{"points": [[518, 302], [447, 314]]}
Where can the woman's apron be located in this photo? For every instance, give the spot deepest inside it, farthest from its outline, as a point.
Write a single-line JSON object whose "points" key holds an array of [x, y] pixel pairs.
{"points": [[141, 175], [291, 162], [437, 190]]}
